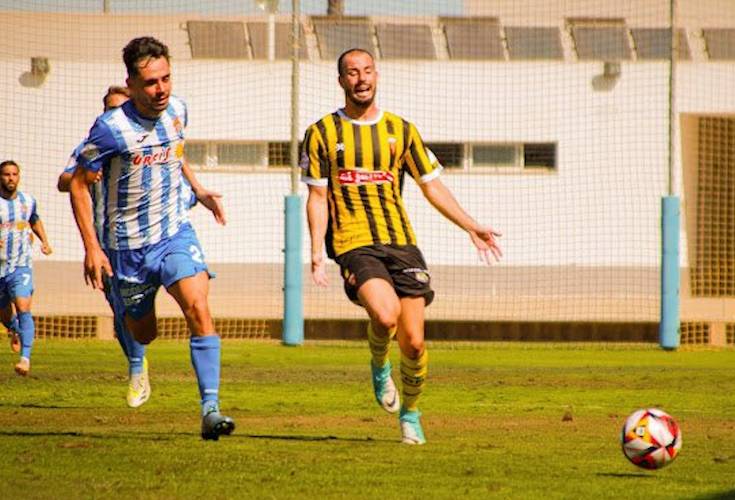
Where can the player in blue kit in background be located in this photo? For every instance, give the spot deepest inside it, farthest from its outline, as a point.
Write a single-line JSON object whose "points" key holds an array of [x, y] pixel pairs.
{"points": [[18, 217], [147, 238], [139, 388]]}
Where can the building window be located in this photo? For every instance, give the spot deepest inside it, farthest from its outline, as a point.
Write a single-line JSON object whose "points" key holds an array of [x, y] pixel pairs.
{"points": [[495, 155], [240, 154], [196, 153], [449, 154], [513, 157], [539, 155]]}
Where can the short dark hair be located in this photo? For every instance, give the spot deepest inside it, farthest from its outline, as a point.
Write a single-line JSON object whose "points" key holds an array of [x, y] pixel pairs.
{"points": [[115, 90], [341, 59], [7, 163], [145, 47]]}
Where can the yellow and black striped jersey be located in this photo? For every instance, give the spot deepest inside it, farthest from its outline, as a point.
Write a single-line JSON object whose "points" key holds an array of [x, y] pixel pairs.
{"points": [[362, 164]]}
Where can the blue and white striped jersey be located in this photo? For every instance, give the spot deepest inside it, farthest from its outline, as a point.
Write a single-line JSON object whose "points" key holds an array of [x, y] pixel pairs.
{"points": [[143, 192], [16, 216], [95, 190]]}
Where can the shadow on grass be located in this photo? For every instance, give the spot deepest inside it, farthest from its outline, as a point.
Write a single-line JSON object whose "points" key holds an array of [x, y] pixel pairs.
{"points": [[169, 436], [625, 474], [723, 495], [310, 438], [43, 407]]}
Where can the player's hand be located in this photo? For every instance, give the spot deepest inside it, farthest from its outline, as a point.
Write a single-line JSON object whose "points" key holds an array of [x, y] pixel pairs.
{"points": [[213, 202], [95, 266], [485, 240], [46, 249], [97, 176], [319, 271]]}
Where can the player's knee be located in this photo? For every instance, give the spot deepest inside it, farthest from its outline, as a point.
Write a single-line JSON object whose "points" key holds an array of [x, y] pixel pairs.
{"points": [[198, 311], [387, 319], [144, 330], [414, 347]]}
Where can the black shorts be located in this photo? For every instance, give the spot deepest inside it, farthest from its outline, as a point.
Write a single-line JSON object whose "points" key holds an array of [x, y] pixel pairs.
{"points": [[401, 266]]}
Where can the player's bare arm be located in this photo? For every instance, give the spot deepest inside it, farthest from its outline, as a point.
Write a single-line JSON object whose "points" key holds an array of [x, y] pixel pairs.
{"points": [[63, 184], [483, 237], [95, 260], [40, 231], [317, 215], [210, 199]]}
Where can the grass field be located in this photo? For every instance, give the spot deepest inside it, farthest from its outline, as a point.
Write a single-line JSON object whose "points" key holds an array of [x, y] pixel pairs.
{"points": [[307, 426]]}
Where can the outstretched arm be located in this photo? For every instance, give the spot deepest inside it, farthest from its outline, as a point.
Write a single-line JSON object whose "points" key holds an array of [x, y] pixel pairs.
{"points": [[317, 214], [95, 260], [483, 237], [37, 227], [208, 198]]}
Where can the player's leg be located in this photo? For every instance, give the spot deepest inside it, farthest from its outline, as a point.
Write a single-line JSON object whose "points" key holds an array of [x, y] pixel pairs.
{"points": [[383, 308], [139, 387], [142, 325], [205, 348], [412, 283], [414, 365], [21, 292], [10, 321], [186, 278]]}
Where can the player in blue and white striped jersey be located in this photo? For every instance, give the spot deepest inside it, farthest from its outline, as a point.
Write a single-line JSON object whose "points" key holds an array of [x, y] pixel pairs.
{"points": [[139, 148], [139, 388], [18, 217]]}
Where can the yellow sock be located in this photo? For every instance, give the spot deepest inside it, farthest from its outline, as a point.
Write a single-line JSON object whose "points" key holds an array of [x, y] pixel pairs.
{"points": [[413, 375], [379, 346]]}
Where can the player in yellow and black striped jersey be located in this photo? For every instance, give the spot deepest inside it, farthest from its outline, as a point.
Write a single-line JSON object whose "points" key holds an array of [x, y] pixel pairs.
{"points": [[354, 161], [363, 163]]}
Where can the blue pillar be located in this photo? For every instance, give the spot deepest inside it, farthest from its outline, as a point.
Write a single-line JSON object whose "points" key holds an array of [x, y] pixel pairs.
{"points": [[293, 299], [670, 223]]}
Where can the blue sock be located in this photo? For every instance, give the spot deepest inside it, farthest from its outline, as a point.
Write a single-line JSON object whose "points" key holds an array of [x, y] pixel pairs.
{"points": [[134, 350], [135, 358], [12, 324], [26, 331], [120, 334], [205, 357]]}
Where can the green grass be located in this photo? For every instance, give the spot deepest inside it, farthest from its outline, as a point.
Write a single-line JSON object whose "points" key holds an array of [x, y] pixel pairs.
{"points": [[307, 426]]}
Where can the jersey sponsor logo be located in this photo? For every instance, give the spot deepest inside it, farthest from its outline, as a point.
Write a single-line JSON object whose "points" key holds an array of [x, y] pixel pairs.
{"points": [[141, 138], [359, 177], [156, 158]]}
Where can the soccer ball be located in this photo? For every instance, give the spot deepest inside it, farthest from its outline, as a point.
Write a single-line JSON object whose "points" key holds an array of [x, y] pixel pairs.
{"points": [[651, 438]]}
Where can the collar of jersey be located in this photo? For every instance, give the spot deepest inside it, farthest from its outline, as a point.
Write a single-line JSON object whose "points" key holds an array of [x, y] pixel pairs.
{"points": [[375, 120]]}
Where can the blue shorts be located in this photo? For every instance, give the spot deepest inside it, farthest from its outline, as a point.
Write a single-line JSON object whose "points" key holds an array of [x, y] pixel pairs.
{"points": [[18, 283], [139, 273]]}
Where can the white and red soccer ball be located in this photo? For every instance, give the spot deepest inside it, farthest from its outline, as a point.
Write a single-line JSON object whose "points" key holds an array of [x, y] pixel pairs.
{"points": [[651, 438]]}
